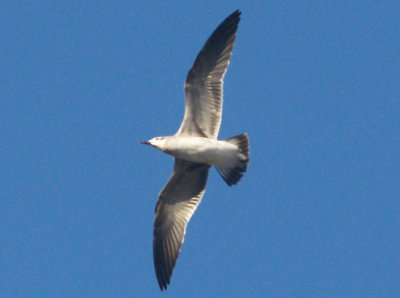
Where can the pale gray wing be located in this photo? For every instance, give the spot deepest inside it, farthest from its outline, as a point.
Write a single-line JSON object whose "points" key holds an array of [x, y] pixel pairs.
{"points": [[176, 205], [204, 82]]}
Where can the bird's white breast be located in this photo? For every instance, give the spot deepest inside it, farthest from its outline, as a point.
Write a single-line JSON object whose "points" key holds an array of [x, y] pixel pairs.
{"points": [[204, 150]]}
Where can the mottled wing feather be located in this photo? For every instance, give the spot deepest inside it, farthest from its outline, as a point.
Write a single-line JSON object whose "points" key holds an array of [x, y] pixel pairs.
{"points": [[176, 204], [204, 82]]}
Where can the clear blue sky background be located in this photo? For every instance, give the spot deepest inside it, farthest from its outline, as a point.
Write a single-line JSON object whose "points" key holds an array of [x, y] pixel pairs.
{"points": [[315, 84]]}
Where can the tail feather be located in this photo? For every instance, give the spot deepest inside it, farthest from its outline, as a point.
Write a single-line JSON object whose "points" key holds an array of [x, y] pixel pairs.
{"points": [[232, 175]]}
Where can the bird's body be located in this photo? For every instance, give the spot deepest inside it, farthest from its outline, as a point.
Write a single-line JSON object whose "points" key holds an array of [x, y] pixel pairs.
{"points": [[196, 148], [203, 150]]}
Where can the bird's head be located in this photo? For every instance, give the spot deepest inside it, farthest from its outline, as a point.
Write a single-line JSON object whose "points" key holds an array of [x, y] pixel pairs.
{"points": [[157, 142]]}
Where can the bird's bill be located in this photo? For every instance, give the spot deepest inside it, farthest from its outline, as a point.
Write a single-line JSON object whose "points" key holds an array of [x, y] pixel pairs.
{"points": [[145, 142]]}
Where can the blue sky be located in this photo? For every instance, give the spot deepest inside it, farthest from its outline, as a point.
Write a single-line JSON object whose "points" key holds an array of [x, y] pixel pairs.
{"points": [[314, 84]]}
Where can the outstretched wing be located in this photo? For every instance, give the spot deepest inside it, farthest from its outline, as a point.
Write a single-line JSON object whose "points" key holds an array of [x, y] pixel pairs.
{"points": [[176, 204], [204, 82]]}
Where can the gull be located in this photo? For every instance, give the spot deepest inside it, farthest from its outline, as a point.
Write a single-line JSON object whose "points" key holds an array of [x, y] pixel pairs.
{"points": [[196, 148]]}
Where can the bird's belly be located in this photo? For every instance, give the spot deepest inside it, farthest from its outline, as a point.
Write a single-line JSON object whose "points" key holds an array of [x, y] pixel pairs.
{"points": [[208, 151]]}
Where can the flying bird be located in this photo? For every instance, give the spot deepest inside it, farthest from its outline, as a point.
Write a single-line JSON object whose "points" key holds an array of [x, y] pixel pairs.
{"points": [[196, 148]]}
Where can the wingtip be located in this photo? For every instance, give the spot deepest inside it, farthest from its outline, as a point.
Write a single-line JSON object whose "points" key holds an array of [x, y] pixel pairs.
{"points": [[163, 278], [236, 14], [231, 21], [163, 286]]}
